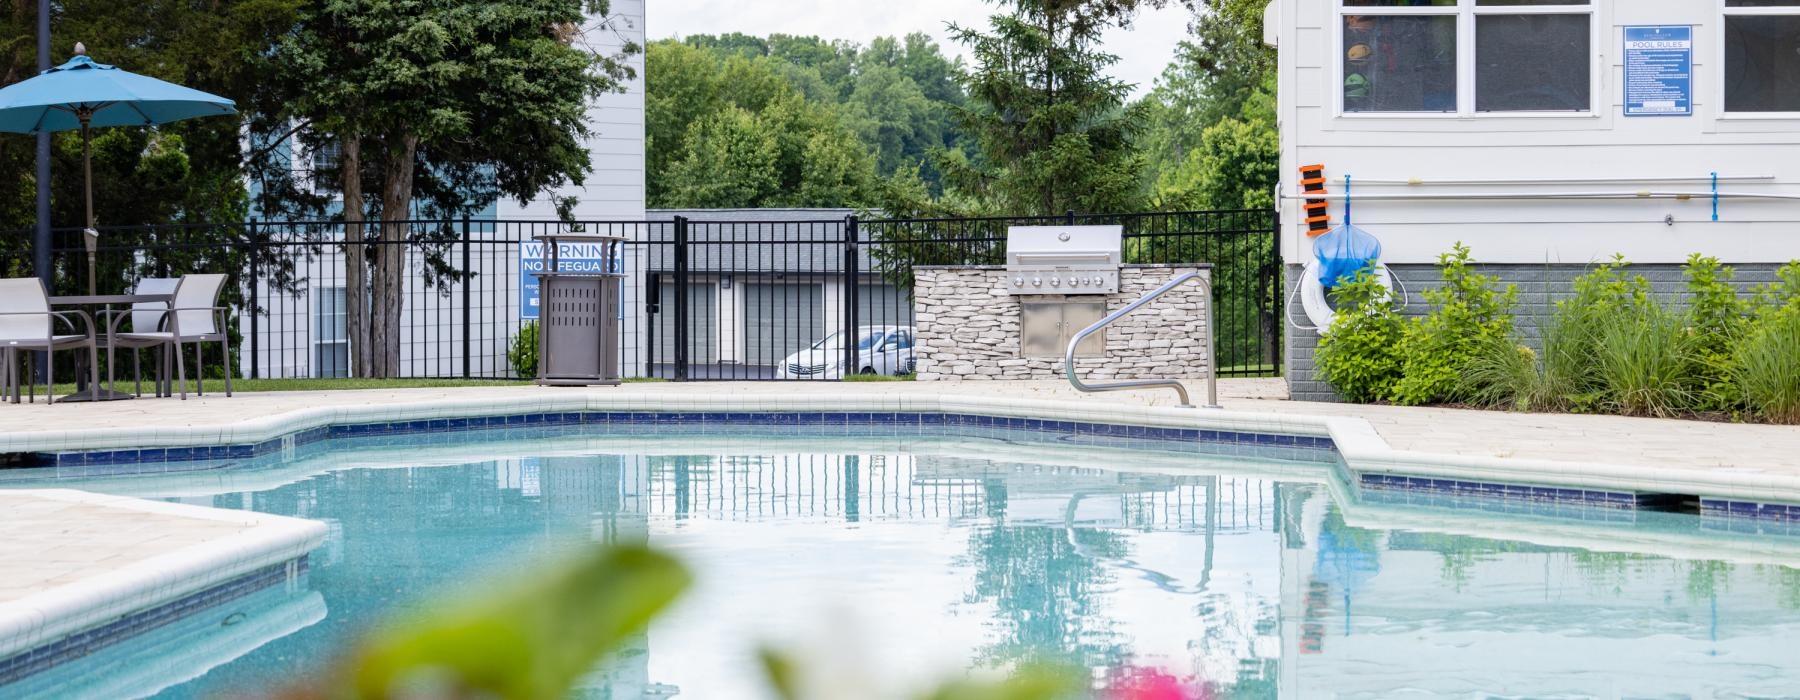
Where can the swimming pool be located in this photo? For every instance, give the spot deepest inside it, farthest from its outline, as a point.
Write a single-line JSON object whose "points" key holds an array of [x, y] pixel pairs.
{"points": [[913, 554]]}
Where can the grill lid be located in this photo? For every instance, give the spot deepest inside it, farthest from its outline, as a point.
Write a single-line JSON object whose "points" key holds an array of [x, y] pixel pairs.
{"points": [[1038, 246], [1063, 259]]}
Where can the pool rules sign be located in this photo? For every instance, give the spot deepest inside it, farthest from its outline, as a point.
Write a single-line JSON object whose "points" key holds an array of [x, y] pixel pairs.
{"points": [[1659, 71]]}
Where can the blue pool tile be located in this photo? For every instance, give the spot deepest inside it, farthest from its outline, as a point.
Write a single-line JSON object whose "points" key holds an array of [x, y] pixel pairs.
{"points": [[84, 643]]}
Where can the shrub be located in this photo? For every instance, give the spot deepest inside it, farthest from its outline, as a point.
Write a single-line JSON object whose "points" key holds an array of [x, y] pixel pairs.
{"points": [[1501, 373], [522, 353], [1716, 317], [1469, 310], [1601, 296], [1765, 361], [1646, 361], [1507, 374], [1359, 354]]}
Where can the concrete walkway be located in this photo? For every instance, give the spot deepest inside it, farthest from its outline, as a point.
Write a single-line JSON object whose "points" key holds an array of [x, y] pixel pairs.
{"points": [[1572, 438]]}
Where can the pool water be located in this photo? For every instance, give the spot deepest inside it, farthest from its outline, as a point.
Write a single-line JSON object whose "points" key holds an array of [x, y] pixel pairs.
{"points": [[896, 560]]}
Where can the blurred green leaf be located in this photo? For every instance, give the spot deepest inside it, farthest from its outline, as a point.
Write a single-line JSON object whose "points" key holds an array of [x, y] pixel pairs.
{"points": [[530, 635], [781, 672], [1030, 683]]}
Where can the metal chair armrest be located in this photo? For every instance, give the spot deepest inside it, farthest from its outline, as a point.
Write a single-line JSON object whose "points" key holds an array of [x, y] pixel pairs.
{"points": [[63, 316], [111, 318], [86, 320]]}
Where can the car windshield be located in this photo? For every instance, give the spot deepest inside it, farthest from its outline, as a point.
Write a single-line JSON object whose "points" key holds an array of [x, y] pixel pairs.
{"points": [[836, 340]]}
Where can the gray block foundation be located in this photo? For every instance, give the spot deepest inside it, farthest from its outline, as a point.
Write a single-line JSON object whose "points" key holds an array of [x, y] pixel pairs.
{"points": [[1540, 287]]}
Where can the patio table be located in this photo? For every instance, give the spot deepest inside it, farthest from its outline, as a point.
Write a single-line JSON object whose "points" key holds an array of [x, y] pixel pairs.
{"points": [[106, 302]]}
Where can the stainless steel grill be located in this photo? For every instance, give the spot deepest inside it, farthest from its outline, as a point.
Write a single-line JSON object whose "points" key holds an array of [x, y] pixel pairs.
{"points": [[1063, 259]]}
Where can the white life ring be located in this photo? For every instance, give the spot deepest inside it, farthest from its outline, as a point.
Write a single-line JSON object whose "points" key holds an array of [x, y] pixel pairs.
{"points": [[1312, 294]]}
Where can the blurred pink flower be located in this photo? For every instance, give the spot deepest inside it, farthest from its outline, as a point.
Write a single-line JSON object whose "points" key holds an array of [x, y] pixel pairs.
{"points": [[1142, 683]]}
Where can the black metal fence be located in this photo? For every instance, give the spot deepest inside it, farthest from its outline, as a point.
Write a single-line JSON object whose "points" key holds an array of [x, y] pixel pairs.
{"points": [[704, 299]]}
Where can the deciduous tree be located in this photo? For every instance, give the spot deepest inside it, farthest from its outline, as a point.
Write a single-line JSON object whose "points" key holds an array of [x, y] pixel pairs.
{"points": [[445, 106]]}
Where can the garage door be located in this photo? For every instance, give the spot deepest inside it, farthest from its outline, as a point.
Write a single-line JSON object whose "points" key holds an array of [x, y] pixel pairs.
{"points": [[703, 324], [883, 305], [780, 319]]}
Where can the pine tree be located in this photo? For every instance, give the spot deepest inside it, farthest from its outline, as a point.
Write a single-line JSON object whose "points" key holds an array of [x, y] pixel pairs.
{"points": [[1051, 131]]}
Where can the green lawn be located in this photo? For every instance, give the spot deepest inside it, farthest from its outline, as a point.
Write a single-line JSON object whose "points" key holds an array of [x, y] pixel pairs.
{"points": [[878, 378], [1251, 370], [253, 385]]}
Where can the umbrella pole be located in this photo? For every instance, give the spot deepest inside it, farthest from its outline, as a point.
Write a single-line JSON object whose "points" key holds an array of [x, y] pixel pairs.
{"points": [[91, 235]]}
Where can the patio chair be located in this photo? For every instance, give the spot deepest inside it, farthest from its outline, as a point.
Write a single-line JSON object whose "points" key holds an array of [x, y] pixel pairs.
{"points": [[142, 317], [28, 324], [194, 316]]}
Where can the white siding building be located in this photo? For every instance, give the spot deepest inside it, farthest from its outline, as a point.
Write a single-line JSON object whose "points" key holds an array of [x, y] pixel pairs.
{"points": [[1472, 99], [614, 191]]}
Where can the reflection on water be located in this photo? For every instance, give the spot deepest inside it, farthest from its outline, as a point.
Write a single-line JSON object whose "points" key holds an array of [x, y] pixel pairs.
{"points": [[933, 564]]}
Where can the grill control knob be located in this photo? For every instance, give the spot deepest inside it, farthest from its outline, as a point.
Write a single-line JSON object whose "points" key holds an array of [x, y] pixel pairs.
{"points": [[1018, 281], [1037, 282], [1056, 281]]}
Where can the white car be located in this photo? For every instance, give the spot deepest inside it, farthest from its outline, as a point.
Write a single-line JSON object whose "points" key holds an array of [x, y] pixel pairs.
{"points": [[879, 350]]}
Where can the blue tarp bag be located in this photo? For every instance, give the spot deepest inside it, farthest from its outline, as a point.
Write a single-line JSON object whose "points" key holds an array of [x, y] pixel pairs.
{"points": [[1345, 249]]}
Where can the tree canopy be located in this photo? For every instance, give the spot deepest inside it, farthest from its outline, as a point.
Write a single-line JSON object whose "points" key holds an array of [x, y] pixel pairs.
{"points": [[186, 172], [1211, 134], [784, 121], [1051, 130]]}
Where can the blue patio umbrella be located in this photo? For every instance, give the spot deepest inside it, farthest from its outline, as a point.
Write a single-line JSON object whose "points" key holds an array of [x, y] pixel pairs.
{"points": [[82, 94]]}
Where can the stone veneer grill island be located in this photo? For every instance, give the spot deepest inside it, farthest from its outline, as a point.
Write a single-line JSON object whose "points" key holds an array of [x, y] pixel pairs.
{"points": [[969, 327]]}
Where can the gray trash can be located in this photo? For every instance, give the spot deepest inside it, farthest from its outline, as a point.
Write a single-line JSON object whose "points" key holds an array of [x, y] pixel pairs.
{"points": [[578, 316]]}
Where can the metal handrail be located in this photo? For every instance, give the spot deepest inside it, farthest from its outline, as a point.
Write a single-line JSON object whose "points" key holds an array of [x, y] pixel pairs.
{"points": [[1212, 370]]}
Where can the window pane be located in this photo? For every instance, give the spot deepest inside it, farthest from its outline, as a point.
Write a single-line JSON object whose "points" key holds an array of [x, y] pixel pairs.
{"points": [[1399, 63], [331, 360], [1762, 63], [1532, 63], [330, 318]]}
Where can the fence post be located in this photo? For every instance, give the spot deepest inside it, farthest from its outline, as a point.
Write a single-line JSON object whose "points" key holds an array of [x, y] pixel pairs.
{"points": [[681, 298], [1069, 217], [1276, 283], [468, 279], [653, 313], [852, 338], [255, 255]]}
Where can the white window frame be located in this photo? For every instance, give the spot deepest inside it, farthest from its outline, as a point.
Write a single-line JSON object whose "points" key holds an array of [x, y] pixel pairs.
{"points": [[317, 343], [301, 160], [1718, 54], [1465, 12]]}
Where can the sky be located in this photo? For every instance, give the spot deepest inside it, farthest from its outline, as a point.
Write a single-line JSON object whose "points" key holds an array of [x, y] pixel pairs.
{"points": [[1143, 50]]}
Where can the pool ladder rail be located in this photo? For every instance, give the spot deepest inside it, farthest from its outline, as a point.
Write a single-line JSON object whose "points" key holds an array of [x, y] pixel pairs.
{"points": [[1212, 370]]}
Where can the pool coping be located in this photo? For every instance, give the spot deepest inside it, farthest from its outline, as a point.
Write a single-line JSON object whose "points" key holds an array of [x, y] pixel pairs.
{"points": [[1361, 447], [268, 548]]}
